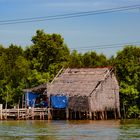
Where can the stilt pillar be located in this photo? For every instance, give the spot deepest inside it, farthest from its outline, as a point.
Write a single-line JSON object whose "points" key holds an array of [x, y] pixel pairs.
{"points": [[67, 113], [90, 115], [105, 114], [79, 115], [115, 113], [49, 114], [118, 112], [33, 114], [1, 111], [75, 116]]}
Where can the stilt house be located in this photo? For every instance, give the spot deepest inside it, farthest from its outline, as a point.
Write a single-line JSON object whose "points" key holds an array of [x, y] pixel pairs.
{"points": [[91, 91]]}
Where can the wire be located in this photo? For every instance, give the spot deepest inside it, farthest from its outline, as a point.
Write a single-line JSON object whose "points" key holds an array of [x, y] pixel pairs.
{"points": [[70, 15], [107, 46]]}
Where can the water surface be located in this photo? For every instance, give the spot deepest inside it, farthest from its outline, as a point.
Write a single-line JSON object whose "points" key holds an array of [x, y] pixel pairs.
{"points": [[70, 130]]}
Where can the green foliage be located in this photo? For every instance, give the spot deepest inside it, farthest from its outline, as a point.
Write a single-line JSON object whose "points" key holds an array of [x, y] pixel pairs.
{"points": [[128, 70], [75, 60], [88, 59], [46, 50], [36, 78], [14, 69], [133, 111], [40, 62]]}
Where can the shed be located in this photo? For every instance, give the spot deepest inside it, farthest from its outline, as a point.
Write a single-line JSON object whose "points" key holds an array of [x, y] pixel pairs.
{"points": [[91, 90]]}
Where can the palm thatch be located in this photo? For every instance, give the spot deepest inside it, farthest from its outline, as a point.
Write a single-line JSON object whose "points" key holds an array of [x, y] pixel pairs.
{"points": [[89, 89], [38, 89]]}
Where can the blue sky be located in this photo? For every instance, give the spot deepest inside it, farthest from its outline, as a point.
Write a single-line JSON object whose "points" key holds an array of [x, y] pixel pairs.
{"points": [[79, 33]]}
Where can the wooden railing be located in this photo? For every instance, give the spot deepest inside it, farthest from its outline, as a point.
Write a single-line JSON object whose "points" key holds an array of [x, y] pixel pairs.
{"points": [[23, 113]]}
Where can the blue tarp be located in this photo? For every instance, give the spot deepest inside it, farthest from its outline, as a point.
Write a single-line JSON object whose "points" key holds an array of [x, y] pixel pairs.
{"points": [[36, 100], [30, 99], [58, 101]]}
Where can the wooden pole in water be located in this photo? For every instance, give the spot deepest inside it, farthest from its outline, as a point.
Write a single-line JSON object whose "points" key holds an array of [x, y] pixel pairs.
{"points": [[115, 113], [105, 114], [70, 114], [33, 114], [49, 114], [1, 111], [80, 115], [98, 115], [43, 115], [90, 115], [23, 98], [27, 113], [75, 115], [6, 105], [118, 111], [67, 113], [18, 112], [93, 115]]}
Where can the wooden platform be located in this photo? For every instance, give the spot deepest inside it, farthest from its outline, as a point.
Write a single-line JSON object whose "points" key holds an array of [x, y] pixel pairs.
{"points": [[24, 113]]}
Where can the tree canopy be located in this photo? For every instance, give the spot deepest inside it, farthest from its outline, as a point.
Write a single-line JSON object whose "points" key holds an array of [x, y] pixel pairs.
{"points": [[127, 65]]}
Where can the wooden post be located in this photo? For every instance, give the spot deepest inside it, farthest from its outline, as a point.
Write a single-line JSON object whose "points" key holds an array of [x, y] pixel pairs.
{"points": [[49, 114], [75, 115], [1, 111], [105, 114], [18, 112], [70, 114], [40, 115], [93, 115], [6, 114], [118, 113], [33, 114], [80, 115], [23, 101], [90, 115], [100, 115], [97, 117], [115, 113], [67, 113], [27, 113], [43, 115]]}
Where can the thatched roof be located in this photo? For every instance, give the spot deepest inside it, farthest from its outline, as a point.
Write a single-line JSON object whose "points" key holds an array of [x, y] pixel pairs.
{"points": [[79, 82], [38, 89]]}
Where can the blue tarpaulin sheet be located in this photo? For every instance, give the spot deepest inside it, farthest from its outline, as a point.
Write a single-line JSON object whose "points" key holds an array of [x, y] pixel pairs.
{"points": [[36, 100], [30, 99], [58, 101]]}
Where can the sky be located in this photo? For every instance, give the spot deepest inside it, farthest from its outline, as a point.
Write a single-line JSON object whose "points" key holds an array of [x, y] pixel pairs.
{"points": [[85, 33]]}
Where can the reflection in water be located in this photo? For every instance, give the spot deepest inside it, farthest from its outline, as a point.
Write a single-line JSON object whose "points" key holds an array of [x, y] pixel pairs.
{"points": [[129, 130], [69, 130]]}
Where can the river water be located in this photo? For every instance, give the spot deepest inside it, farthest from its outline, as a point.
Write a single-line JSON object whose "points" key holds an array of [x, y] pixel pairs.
{"points": [[70, 130]]}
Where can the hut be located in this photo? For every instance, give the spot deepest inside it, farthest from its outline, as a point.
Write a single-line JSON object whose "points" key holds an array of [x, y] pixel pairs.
{"points": [[91, 93]]}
